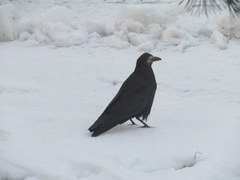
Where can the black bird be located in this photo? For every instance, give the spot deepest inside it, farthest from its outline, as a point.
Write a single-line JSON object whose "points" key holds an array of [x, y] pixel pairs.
{"points": [[134, 99]]}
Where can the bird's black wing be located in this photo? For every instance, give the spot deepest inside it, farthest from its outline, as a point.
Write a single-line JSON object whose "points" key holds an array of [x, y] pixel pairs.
{"points": [[129, 101], [146, 111]]}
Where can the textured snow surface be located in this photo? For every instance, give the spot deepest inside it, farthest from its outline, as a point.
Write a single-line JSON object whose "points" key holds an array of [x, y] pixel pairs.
{"points": [[61, 62], [145, 25]]}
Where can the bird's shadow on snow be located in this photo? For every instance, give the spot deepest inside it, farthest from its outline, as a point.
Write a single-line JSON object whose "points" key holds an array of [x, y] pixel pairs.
{"points": [[123, 129], [126, 129]]}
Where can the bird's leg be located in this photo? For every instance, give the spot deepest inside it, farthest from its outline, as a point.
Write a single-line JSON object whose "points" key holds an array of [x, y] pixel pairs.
{"points": [[145, 125], [133, 123]]}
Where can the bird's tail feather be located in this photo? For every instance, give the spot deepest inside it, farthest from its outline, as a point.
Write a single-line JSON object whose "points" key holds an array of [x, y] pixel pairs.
{"points": [[95, 125], [100, 127], [101, 130]]}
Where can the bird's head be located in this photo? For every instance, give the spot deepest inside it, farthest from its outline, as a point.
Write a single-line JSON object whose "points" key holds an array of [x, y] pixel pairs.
{"points": [[147, 59]]}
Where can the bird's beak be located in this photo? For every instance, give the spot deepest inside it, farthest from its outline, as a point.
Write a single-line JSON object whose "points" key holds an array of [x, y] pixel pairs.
{"points": [[154, 58]]}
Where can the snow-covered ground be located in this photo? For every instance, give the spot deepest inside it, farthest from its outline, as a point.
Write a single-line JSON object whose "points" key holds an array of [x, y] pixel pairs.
{"points": [[61, 62]]}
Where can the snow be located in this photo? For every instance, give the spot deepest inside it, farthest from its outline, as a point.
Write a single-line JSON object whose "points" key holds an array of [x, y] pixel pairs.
{"points": [[55, 26], [8, 22], [219, 40], [64, 25], [63, 61]]}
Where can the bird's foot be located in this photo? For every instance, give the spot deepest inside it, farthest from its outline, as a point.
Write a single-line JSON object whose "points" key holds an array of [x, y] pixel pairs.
{"points": [[145, 126]]}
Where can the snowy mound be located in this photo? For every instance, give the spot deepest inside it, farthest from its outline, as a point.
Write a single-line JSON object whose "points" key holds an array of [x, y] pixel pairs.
{"points": [[221, 29], [9, 20], [146, 27], [59, 27]]}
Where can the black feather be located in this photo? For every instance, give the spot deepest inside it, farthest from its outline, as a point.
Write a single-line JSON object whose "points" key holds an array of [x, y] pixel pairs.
{"points": [[134, 99]]}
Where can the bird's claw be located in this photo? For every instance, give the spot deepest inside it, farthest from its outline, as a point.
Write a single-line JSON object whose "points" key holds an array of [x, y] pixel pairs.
{"points": [[145, 127]]}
